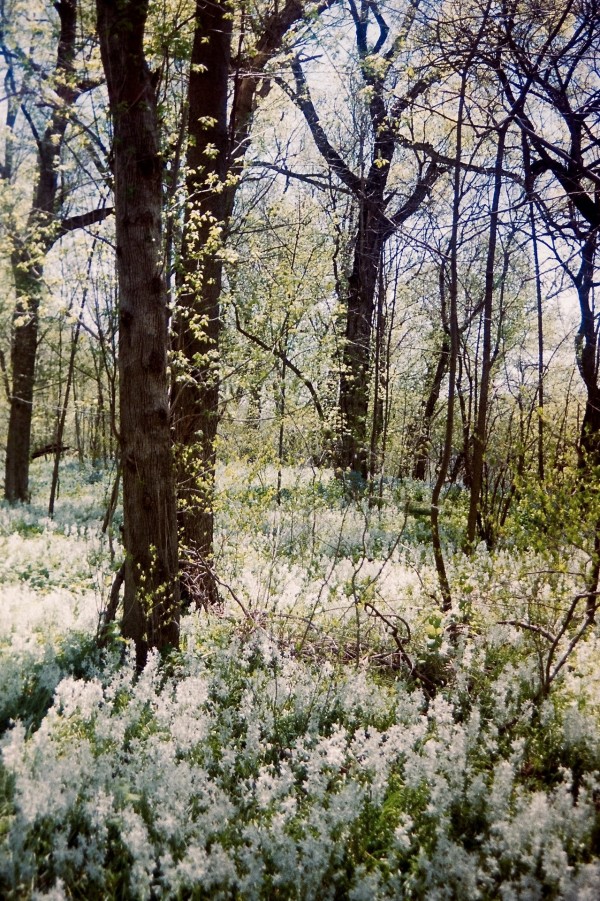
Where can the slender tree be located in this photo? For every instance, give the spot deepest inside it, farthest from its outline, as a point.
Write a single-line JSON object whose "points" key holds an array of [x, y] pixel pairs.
{"points": [[491, 279], [46, 223], [428, 408]]}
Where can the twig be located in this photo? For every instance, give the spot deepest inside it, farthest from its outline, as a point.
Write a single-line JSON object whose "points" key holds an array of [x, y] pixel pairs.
{"points": [[240, 604], [530, 627]]}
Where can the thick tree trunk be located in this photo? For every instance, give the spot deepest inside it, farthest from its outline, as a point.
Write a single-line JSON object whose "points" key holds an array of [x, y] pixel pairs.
{"points": [[151, 603], [198, 318], [355, 376], [23, 357], [586, 345]]}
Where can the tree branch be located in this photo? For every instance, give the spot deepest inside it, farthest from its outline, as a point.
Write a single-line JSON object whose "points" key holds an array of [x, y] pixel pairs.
{"points": [[246, 83], [528, 627], [420, 192], [316, 180], [284, 358], [303, 100], [34, 131], [447, 162], [84, 220]]}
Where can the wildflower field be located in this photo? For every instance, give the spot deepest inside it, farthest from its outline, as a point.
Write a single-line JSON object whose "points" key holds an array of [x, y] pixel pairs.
{"points": [[327, 732]]}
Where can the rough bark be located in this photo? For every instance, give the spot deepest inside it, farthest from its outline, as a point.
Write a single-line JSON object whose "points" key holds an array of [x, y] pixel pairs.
{"points": [[197, 321], [151, 600], [218, 140]]}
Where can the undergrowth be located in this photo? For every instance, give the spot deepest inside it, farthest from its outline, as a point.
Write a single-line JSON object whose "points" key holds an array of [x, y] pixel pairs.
{"points": [[326, 734]]}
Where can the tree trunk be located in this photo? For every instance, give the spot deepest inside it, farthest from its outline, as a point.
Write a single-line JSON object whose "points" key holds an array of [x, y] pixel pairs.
{"points": [[23, 357], [377, 405], [28, 266], [421, 461], [355, 376], [151, 601], [586, 345], [63, 405], [529, 186], [479, 434], [197, 322]]}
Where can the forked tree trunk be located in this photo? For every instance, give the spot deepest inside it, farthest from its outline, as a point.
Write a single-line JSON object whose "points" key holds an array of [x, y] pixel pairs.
{"points": [[376, 224], [151, 603]]}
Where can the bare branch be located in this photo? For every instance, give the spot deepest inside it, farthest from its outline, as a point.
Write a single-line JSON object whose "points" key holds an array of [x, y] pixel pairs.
{"points": [[528, 627], [84, 220], [284, 358], [420, 192], [316, 180], [304, 102]]}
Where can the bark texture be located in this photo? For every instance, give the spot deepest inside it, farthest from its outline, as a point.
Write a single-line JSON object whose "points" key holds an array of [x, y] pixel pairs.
{"points": [[586, 346], [151, 603], [197, 322], [219, 136]]}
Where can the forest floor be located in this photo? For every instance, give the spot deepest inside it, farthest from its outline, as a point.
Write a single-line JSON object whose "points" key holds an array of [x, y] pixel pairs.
{"points": [[327, 733]]}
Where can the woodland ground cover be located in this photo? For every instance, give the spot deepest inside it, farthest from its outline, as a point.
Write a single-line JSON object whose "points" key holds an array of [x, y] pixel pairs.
{"points": [[236, 237], [326, 733]]}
